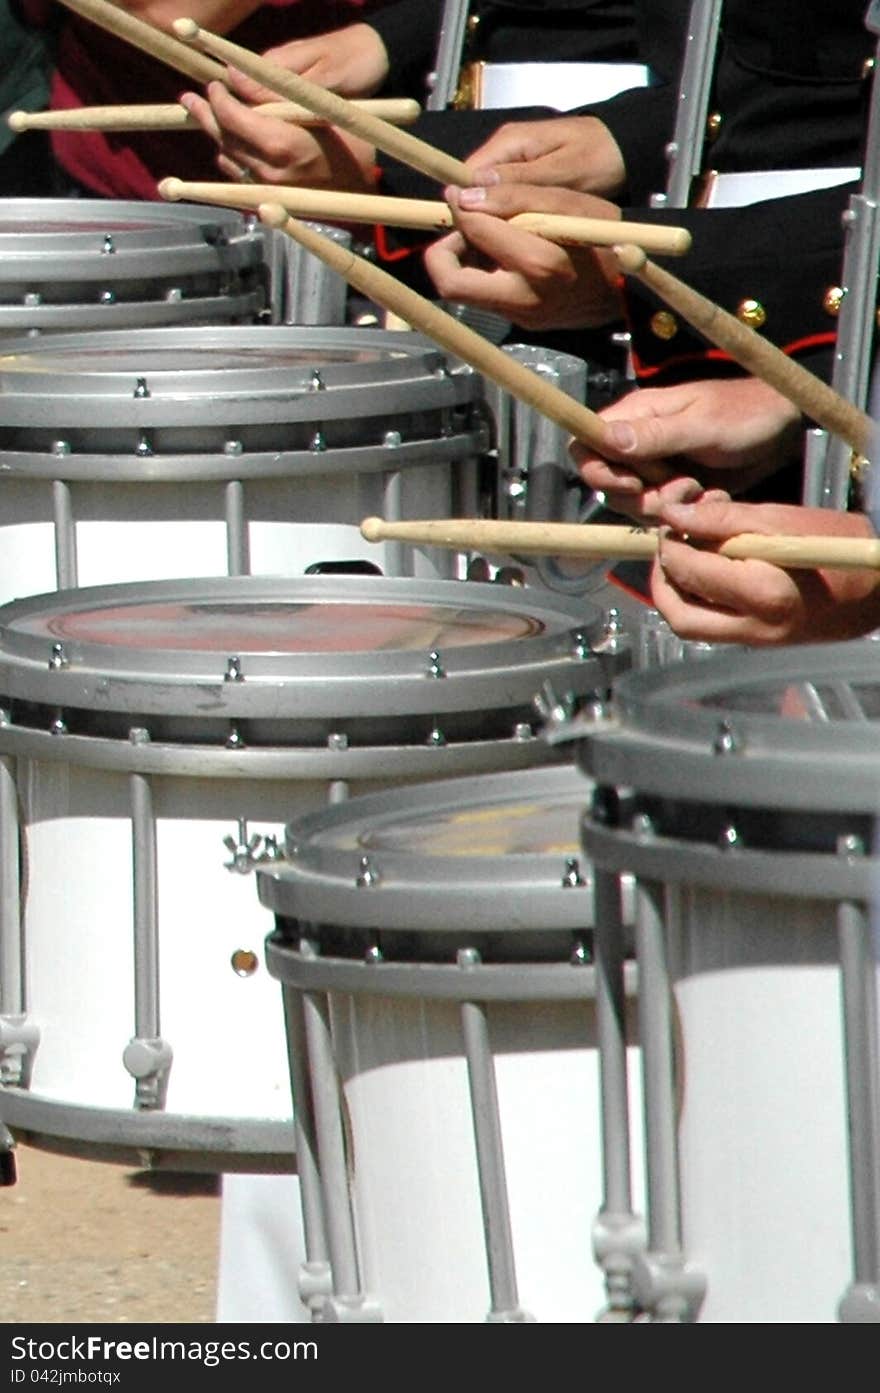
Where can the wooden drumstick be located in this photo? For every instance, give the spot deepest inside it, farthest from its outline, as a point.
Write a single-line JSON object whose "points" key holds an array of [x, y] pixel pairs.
{"points": [[148, 39], [617, 542], [423, 213], [400, 144], [457, 338], [758, 356], [170, 116]]}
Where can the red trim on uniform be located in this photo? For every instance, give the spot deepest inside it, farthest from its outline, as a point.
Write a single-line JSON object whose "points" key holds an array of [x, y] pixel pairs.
{"points": [[386, 253], [628, 589], [717, 355]]}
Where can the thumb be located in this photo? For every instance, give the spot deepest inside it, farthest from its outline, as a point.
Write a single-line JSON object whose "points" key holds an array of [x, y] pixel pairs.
{"points": [[643, 438]]}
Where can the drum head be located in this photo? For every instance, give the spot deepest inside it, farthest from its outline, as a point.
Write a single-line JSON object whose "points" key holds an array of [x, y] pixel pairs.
{"points": [[301, 655], [80, 239], [496, 854]]}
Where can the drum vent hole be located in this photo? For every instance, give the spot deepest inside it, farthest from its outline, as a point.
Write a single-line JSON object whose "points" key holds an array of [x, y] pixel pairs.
{"points": [[244, 962]]}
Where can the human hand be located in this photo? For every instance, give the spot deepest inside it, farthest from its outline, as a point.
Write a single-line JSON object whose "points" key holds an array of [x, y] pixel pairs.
{"points": [[533, 282], [713, 598], [270, 151], [729, 431], [573, 152], [352, 61]]}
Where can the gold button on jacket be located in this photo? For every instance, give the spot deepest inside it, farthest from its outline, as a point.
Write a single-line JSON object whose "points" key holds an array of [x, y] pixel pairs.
{"points": [[752, 313]]}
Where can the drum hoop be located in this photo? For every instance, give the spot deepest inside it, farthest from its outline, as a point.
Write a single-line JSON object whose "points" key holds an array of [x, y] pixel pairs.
{"points": [[502, 674], [789, 874], [134, 313], [437, 981], [186, 760], [250, 466]]}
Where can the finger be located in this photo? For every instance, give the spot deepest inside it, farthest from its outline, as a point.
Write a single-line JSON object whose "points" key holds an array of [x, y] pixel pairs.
{"points": [[506, 200], [234, 117], [604, 476], [690, 619], [766, 593], [455, 279], [713, 521], [512, 248], [202, 112], [232, 168], [247, 89], [553, 170]]}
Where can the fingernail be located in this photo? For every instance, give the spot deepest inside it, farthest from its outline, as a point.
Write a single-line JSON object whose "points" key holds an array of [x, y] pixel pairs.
{"points": [[680, 513], [486, 176], [621, 436], [186, 100], [471, 197]]}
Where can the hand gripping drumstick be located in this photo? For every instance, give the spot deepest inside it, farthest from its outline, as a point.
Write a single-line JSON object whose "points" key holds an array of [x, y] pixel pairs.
{"points": [[617, 542], [425, 214], [170, 116], [758, 356], [338, 110], [148, 39], [457, 338]]}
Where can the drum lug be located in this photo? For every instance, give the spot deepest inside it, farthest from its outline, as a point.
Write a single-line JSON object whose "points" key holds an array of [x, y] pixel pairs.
{"points": [[149, 1063], [315, 1285], [860, 1305], [19, 1038], [617, 1240], [351, 1310], [726, 741], [667, 1287], [615, 638]]}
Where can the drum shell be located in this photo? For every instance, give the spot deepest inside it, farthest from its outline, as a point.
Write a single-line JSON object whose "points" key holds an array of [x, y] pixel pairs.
{"points": [[169, 452]]}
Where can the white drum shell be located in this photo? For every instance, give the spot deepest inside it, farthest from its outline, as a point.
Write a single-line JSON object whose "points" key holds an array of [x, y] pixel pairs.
{"points": [[762, 1130], [414, 1178]]}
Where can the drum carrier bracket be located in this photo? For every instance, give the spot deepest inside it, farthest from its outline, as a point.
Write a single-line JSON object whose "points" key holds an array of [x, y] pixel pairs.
{"points": [[19, 1038]]}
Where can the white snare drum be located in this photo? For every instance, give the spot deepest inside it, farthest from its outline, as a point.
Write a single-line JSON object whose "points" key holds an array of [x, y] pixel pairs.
{"points": [[68, 264], [741, 792], [160, 453], [435, 949], [154, 740]]}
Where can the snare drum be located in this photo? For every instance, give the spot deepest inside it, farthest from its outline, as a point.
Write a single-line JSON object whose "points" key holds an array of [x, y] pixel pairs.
{"points": [[68, 264], [154, 740], [160, 453], [435, 948], [741, 791]]}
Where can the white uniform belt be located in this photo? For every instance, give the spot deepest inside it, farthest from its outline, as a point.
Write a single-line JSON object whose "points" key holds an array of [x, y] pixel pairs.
{"points": [[557, 85], [754, 186]]}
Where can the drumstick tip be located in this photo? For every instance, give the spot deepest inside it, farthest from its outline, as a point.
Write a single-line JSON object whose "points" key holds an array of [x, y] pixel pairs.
{"points": [[17, 120], [630, 259], [170, 188], [273, 214], [372, 529], [186, 29]]}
